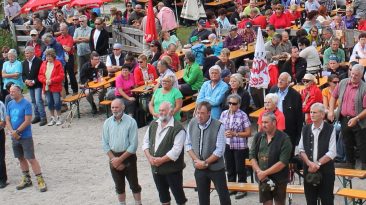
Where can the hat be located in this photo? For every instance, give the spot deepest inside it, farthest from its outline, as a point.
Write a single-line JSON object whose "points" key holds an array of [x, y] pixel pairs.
{"points": [[309, 76], [34, 32], [225, 73], [333, 58], [233, 28], [194, 39], [117, 46], [202, 22], [248, 24], [293, 7]]}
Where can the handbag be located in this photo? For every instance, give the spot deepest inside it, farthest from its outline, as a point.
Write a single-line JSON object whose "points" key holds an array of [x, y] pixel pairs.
{"points": [[313, 178]]}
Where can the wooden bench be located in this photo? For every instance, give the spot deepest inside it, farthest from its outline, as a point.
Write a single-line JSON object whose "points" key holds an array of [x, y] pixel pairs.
{"points": [[358, 195], [74, 99], [188, 109], [255, 114], [106, 104]]}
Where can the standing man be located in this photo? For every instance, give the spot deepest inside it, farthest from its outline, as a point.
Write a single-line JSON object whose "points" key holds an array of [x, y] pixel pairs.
{"points": [[99, 39], [31, 66], [81, 39], [205, 144], [317, 149], [3, 175], [18, 124], [289, 103], [270, 155], [350, 94], [163, 145], [120, 144]]}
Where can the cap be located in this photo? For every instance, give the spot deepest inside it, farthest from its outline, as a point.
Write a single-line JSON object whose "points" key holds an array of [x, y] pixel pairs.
{"points": [[233, 28], [194, 39], [248, 24], [202, 22], [309, 76], [34, 32], [333, 58], [154, 43], [225, 73], [117, 46]]}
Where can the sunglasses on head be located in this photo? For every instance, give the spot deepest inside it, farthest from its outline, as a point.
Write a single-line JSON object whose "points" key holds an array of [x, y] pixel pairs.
{"points": [[232, 103], [305, 81]]}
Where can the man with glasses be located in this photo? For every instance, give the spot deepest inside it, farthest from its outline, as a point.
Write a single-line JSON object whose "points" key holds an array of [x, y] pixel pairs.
{"points": [[99, 39], [81, 39], [74, 25], [114, 63], [56, 26], [51, 18], [36, 43], [93, 71]]}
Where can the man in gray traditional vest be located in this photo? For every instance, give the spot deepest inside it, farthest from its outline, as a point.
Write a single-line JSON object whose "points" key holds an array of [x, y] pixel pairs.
{"points": [[205, 144], [163, 146], [351, 112], [317, 149]]}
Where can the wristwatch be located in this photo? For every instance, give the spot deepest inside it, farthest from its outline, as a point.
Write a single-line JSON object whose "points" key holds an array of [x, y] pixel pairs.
{"points": [[320, 164], [206, 164], [17, 131]]}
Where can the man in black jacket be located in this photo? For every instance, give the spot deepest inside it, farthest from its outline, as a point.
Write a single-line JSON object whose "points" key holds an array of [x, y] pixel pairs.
{"points": [[289, 102], [99, 39], [295, 66], [31, 66]]}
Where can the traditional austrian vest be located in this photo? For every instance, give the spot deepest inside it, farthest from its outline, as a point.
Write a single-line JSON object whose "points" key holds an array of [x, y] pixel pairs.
{"points": [[114, 61]]}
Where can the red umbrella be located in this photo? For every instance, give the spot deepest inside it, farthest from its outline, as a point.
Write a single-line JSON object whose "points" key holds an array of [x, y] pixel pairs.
{"points": [[150, 30], [38, 5], [63, 2], [89, 3]]}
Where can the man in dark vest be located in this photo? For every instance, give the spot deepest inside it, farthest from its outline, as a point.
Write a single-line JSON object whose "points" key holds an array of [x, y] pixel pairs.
{"points": [[270, 154], [205, 144], [317, 149], [114, 63], [163, 147]]}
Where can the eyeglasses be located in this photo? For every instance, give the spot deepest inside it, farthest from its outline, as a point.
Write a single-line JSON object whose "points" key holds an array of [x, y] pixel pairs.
{"points": [[116, 49], [140, 61], [152, 45], [97, 24], [314, 31], [233, 103], [128, 5], [305, 81], [335, 82], [33, 35], [75, 19]]}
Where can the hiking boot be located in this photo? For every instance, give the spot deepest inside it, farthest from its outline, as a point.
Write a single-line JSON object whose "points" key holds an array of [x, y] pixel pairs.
{"points": [[36, 120], [94, 109], [42, 187], [52, 122], [24, 183], [240, 195], [3, 185], [43, 122], [232, 192], [58, 121]]}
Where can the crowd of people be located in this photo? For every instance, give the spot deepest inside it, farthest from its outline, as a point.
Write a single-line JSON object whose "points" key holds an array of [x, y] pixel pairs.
{"points": [[294, 125]]}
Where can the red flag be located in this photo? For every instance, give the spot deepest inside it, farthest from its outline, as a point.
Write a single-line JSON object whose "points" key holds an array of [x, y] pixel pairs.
{"points": [[150, 30]]}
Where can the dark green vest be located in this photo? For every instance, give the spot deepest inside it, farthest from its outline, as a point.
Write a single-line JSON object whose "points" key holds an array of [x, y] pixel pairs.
{"points": [[164, 147]]}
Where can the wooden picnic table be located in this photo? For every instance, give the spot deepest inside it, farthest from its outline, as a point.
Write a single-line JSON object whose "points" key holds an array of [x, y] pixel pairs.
{"points": [[322, 81], [218, 3], [241, 52], [143, 1], [258, 4], [104, 81], [362, 62], [256, 113]]}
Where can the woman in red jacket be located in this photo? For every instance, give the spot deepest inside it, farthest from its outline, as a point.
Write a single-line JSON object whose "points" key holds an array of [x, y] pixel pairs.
{"points": [[279, 18], [51, 75], [145, 73], [310, 94]]}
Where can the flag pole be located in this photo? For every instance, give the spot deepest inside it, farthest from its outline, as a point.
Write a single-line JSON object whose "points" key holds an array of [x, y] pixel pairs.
{"points": [[176, 11]]}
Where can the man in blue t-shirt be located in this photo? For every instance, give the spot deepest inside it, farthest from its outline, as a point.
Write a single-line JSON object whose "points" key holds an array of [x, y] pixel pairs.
{"points": [[18, 123]]}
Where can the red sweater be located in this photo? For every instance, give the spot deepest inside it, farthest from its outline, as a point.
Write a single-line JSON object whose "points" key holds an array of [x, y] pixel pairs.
{"points": [[279, 21], [57, 76], [293, 16], [139, 77], [260, 21], [175, 60], [362, 25], [314, 95]]}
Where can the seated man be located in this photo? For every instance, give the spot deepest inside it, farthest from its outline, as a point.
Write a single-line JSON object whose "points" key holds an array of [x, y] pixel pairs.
{"points": [[334, 50], [201, 32], [116, 59], [295, 66], [273, 47], [233, 41], [173, 55], [92, 71]]}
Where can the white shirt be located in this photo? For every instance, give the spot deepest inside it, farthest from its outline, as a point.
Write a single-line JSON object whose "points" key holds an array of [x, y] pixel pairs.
{"points": [[360, 51], [95, 37], [179, 140], [108, 63], [332, 151], [30, 64]]}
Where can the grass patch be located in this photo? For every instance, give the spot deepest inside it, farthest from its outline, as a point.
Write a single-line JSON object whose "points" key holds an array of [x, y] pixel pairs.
{"points": [[183, 34]]}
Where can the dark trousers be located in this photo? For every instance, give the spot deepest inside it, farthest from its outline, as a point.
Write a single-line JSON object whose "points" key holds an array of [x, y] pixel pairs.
{"points": [[324, 190], [235, 164], [173, 181], [3, 175], [69, 69], [129, 172], [353, 137], [203, 181], [186, 90]]}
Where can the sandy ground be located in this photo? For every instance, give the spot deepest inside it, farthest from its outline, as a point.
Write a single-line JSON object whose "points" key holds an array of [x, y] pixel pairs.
{"points": [[76, 169]]}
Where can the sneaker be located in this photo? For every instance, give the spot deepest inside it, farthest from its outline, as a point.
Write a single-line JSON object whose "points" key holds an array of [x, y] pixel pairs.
{"points": [[3, 185], [52, 122], [58, 121], [42, 187], [36, 120], [232, 192], [24, 183], [240, 195], [43, 122]]}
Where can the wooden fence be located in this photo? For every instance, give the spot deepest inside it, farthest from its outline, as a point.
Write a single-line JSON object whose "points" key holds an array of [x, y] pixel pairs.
{"points": [[130, 38]]}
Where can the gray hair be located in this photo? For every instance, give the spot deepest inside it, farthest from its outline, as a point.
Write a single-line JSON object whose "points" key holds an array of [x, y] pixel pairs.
{"points": [[120, 100], [29, 49], [215, 67], [171, 78], [167, 103], [327, 30], [225, 51], [286, 74], [238, 77], [190, 56], [272, 97], [358, 67], [13, 52], [270, 115], [277, 37], [234, 96], [47, 36], [318, 106], [63, 25], [83, 18]]}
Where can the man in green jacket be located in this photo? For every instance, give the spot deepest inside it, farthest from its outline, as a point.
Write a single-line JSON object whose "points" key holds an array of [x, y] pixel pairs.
{"points": [[193, 76]]}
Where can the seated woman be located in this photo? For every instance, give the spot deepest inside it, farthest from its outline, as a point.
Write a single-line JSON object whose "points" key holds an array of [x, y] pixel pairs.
{"points": [[166, 93], [215, 44], [193, 76], [279, 19], [156, 51], [225, 62], [222, 20], [51, 75], [167, 39], [314, 37], [145, 73], [333, 81], [292, 13], [323, 17], [124, 84], [270, 105], [237, 87], [312, 21], [349, 19]]}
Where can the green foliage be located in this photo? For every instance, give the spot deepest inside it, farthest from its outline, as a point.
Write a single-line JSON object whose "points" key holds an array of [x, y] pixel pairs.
{"points": [[183, 34], [5, 39]]}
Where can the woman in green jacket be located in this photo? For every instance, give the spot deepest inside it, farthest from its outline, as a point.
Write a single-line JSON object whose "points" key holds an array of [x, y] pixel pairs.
{"points": [[193, 76]]}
